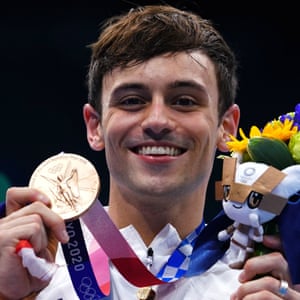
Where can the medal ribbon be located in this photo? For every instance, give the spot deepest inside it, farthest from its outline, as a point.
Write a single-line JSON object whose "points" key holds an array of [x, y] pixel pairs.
{"points": [[116, 247], [83, 278], [125, 260], [207, 249]]}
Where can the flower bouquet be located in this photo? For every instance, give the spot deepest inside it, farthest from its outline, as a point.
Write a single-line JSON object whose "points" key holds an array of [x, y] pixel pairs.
{"points": [[276, 144]]}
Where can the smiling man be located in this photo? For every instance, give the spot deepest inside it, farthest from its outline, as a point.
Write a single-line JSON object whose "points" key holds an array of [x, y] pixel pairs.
{"points": [[159, 123]]}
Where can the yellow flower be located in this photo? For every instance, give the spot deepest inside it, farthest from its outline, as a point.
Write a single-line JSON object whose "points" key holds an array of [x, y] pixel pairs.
{"points": [[285, 128], [238, 146], [275, 129], [280, 130], [254, 131]]}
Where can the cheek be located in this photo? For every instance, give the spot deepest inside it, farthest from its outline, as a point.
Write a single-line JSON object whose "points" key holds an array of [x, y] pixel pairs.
{"points": [[205, 124], [206, 136], [118, 127], [112, 127], [116, 119]]}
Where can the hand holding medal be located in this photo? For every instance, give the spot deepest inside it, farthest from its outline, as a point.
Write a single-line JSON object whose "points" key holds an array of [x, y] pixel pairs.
{"points": [[72, 184]]}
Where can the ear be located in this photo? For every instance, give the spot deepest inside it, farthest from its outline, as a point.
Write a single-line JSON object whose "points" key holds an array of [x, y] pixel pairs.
{"points": [[229, 125], [93, 127]]}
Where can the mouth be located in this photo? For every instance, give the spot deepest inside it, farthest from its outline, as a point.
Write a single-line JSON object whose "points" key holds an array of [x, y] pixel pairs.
{"points": [[158, 150], [237, 206]]}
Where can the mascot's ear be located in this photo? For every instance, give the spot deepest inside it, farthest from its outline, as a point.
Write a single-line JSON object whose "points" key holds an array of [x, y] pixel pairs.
{"points": [[290, 185]]}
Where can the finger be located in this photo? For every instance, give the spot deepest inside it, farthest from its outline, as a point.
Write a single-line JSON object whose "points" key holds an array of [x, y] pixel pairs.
{"points": [[263, 288], [255, 296], [18, 197], [297, 287], [44, 246], [51, 220], [272, 242], [34, 233], [273, 263], [15, 220], [11, 222], [30, 228]]}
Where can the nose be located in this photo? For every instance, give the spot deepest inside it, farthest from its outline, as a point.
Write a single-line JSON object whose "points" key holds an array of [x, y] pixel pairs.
{"points": [[157, 121]]}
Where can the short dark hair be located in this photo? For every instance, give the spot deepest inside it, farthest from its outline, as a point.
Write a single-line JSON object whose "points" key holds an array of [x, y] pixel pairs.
{"points": [[152, 30]]}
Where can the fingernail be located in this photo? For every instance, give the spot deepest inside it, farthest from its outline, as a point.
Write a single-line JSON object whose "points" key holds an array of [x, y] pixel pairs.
{"points": [[64, 236], [43, 198], [242, 276]]}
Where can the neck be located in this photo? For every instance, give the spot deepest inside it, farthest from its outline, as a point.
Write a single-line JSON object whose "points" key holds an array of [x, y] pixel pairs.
{"points": [[150, 216]]}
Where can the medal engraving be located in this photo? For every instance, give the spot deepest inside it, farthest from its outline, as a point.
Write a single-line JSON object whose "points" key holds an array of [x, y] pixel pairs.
{"points": [[146, 293], [70, 181]]}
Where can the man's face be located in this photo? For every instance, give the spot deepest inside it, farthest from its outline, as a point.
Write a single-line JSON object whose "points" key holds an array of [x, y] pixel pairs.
{"points": [[160, 124]]}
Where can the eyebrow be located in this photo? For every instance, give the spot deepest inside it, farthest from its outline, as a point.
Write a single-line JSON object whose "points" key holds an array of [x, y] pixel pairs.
{"points": [[129, 86], [187, 83], [172, 85]]}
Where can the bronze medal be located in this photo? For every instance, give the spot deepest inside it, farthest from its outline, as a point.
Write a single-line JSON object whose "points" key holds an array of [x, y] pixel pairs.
{"points": [[70, 181]]}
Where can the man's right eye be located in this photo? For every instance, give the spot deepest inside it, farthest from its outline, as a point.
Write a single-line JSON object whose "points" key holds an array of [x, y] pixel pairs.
{"points": [[132, 101]]}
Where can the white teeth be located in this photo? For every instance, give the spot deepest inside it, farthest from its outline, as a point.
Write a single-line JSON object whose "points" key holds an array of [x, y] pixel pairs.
{"points": [[159, 150]]}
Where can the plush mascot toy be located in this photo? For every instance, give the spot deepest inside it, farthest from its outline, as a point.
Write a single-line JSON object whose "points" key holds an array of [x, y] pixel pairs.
{"points": [[252, 194], [260, 188]]}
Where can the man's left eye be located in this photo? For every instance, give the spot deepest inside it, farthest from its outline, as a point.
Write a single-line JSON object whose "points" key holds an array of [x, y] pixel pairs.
{"points": [[184, 102], [132, 101]]}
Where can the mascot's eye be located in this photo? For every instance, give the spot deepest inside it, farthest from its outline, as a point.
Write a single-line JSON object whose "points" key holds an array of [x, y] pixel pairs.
{"points": [[254, 199], [226, 190]]}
